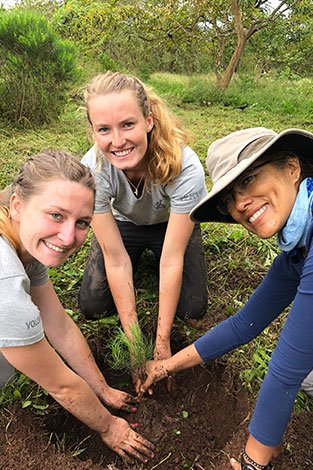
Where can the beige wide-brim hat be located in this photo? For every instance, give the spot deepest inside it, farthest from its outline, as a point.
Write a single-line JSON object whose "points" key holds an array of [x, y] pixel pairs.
{"points": [[230, 156]]}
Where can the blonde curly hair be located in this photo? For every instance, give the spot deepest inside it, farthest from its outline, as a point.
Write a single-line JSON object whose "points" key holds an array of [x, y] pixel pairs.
{"points": [[165, 140]]}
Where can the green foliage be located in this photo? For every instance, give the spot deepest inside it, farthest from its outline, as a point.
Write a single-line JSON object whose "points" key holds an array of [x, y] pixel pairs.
{"points": [[45, 7], [24, 391], [130, 355], [107, 63], [35, 67], [184, 37]]}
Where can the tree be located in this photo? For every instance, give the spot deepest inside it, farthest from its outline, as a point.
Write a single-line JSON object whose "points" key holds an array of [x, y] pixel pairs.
{"points": [[226, 25], [245, 32], [184, 36]]}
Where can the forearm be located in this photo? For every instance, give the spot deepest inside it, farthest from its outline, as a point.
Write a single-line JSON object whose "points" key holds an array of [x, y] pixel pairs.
{"points": [[77, 397], [120, 279], [184, 359], [73, 347], [170, 287], [260, 453]]}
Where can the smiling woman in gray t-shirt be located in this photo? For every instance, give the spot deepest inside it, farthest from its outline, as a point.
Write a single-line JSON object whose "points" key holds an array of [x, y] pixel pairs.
{"points": [[147, 181], [45, 220]]}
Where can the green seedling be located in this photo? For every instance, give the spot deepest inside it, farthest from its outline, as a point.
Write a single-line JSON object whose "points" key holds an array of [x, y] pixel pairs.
{"points": [[129, 354]]}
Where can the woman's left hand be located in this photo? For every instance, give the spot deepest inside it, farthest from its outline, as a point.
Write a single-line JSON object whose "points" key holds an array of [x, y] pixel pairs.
{"points": [[119, 400]]}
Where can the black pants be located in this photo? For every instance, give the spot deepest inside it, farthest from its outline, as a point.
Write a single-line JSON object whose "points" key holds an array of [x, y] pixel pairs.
{"points": [[95, 298]]}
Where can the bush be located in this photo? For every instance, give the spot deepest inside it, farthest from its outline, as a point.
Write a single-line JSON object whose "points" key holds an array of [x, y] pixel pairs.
{"points": [[35, 66], [108, 63]]}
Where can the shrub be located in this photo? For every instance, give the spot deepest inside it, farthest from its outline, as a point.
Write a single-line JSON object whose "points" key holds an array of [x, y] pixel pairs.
{"points": [[108, 63], [35, 66]]}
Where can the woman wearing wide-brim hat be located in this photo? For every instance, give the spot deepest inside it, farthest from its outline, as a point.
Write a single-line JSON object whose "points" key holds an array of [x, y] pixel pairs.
{"points": [[263, 180]]}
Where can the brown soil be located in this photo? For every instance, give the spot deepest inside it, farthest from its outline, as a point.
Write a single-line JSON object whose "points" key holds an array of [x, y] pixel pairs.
{"points": [[199, 426], [215, 428]]}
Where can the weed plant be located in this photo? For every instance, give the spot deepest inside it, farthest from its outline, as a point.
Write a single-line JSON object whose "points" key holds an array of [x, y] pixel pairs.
{"points": [[24, 391]]}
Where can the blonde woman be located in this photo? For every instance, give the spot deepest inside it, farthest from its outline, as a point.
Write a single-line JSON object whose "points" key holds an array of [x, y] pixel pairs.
{"points": [[147, 181], [44, 220]]}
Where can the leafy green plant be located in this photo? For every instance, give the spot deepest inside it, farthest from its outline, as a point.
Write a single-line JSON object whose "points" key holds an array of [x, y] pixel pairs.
{"points": [[27, 393], [36, 65], [127, 354]]}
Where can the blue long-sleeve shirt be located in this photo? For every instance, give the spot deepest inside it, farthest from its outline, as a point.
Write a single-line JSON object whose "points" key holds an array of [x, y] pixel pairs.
{"points": [[289, 279]]}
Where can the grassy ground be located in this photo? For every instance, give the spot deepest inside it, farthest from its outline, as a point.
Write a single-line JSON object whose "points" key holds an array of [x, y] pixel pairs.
{"points": [[207, 115]]}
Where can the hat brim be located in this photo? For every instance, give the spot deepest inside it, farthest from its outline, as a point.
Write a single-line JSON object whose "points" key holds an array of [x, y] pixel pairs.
{"points": [[297, 141]]}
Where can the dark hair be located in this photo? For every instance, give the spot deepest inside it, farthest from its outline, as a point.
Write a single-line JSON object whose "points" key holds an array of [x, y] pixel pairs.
{"points": [[280, 158]]}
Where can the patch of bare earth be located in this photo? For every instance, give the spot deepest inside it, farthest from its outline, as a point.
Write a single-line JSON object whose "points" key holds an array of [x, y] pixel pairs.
{"points": [[199, 426]]}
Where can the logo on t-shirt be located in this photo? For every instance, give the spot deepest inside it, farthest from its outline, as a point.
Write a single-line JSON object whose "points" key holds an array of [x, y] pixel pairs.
{"points": [[159, 205], [32, 323], [191, 196]]}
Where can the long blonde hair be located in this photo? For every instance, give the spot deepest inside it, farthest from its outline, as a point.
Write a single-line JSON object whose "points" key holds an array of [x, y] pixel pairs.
{"points": [[37, 170], [165, 140]]}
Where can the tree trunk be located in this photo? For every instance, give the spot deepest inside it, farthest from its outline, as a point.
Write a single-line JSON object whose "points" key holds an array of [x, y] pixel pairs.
{"points": [[231, 67], [241, 42]]}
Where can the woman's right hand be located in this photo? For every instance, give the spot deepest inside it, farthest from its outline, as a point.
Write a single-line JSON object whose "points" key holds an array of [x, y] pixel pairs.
{"points": [[126, 442]]}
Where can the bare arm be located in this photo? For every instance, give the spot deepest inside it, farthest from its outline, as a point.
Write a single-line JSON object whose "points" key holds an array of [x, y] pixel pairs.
{"points": [[118, 268], [260, 453], [177, 236], [64, 335], [157, 370], [42, 364]]}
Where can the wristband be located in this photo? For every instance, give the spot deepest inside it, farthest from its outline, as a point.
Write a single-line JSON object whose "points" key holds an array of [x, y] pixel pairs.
{"points": [[252, 465]]}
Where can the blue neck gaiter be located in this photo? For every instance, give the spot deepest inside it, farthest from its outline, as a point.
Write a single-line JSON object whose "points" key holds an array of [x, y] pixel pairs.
{"points": [[295, 231]]}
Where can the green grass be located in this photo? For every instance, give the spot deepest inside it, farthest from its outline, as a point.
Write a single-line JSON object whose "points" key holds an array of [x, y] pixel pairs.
{"points": [[208, 115]]}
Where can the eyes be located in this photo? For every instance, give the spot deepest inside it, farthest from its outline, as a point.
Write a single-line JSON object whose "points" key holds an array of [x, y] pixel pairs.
{"points": [[246, 180], [245, 183], [81, 223], [126, 125]]}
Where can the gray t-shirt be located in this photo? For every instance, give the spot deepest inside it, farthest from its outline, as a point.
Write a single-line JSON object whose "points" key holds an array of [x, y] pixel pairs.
{"points": [[153, 207], [20, 318]]}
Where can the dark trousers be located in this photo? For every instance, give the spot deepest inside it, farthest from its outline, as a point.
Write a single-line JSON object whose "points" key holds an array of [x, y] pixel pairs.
{"points": [[95, 298]]}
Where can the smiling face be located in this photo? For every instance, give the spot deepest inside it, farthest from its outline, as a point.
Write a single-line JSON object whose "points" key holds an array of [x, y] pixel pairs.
{"points": [[54, 223], [263, 207], [120, 129]]}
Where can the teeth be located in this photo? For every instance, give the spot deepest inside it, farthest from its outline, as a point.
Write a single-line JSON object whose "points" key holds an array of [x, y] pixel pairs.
{"points": [[257, 214], [54, 247], [122, 153]]}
